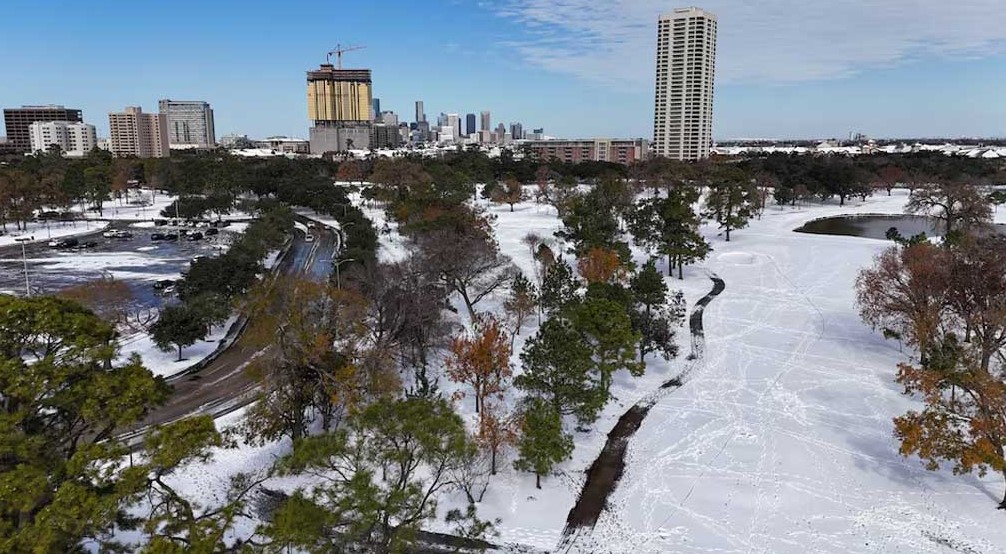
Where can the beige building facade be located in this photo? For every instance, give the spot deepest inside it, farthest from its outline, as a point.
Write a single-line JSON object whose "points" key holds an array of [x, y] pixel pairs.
{"points": [[135, 133], [685, 75]]}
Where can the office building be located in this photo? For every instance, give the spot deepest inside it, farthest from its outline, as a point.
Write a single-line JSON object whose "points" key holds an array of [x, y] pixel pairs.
{"points": [[339, 102], [377, 108], [686, 66], [134, 133], [17, 121], [516, 131], [470, 124], [190, 123], [386, 136], [485, 121], [420, 114], [454, 121], [74, 139], [594, 150]]}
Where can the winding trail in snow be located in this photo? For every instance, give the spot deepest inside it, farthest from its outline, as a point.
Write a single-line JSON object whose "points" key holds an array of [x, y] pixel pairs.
{"points": [[604, 474]]}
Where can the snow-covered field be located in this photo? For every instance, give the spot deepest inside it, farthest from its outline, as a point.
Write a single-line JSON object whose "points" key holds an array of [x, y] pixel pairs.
{"points": [[166, 364], [780, 441]]}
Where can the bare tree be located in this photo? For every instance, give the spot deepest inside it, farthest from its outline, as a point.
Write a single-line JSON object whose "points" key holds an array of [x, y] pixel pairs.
{"points": [[468, 263], [959, 205]]}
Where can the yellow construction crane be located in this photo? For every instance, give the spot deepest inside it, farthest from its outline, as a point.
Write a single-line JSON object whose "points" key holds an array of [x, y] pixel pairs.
{"points": [[338, 51]]}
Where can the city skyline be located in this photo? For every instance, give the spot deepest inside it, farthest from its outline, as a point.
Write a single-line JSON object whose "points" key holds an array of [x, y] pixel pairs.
{"points": [[776, 70]]}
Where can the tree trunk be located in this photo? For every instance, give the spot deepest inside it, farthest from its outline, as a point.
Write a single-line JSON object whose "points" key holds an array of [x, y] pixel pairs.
{"points": [[728, 234], [670, 266], [537, 482], [1002, 505], [179, 352], [492, 464], [681, 271]]}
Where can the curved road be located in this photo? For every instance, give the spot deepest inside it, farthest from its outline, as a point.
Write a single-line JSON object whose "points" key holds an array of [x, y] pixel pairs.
{"points": [[222, 385]]}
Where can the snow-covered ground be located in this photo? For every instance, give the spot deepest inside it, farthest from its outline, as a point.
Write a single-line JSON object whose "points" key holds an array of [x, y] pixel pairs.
{"points": [[44, 232], [781, 440], [166, 364]]}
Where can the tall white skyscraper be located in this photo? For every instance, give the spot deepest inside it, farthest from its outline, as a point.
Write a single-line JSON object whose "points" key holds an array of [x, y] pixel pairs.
{"points": [[686, 68], [190, 123]]}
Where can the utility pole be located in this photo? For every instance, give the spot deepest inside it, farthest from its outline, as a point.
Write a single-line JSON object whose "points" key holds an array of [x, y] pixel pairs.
{"points": [[24, 257], [338, 280]]}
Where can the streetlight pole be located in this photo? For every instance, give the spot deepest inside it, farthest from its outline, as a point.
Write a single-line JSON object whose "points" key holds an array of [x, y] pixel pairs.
{"points": [[24, 257], [338, 280]]}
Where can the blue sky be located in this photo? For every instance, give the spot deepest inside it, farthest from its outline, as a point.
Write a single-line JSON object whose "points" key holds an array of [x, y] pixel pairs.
{"points": [[785, 68]]}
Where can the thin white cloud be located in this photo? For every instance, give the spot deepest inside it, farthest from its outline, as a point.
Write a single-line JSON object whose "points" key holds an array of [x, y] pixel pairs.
{"points": [[761, 41]]}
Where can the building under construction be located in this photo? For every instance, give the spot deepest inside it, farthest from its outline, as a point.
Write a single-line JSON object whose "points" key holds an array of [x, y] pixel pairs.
{"points": [[338, 105]]}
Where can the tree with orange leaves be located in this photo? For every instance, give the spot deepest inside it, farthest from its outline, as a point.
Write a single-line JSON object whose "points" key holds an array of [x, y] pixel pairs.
{"points": [[600, 265], [963, 420], [497, 431], [906, 291], [481, 359]]}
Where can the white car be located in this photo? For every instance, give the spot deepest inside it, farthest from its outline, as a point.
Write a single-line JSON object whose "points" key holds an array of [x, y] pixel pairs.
{"points": [[117, 234]]}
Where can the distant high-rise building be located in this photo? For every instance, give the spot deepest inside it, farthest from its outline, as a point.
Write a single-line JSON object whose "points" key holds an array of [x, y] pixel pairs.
{"points": [[420, 114], [388, 118], [454, 121], [470, 124], [377, 108], [538, 134], [74, 139], [516, 131], [190, 123], [500, 131], [339, 102], [686, 67], [134, 133], [17, 121], [486, 121]]}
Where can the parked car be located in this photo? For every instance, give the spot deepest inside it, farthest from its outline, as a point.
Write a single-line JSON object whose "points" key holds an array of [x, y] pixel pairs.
{"points": [[171, 236], [88, 244], [117, 234], [63, 243], [163, 284], [194, 237], [160, 222], [157, 236], [211, 231]]}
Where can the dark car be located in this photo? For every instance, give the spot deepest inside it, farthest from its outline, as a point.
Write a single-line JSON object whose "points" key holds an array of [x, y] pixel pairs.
{"points": [[163, 284], [88, 244], [160, 222], [194, 237], [157, 236], [212, 231], [171, 236]]}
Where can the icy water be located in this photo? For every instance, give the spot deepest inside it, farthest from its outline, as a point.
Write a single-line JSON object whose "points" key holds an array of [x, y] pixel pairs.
{"points": [[876, 226], [872, 226]]}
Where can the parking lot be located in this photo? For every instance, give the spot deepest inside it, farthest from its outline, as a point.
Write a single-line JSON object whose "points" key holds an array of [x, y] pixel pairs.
{"points": [[136, 259]]}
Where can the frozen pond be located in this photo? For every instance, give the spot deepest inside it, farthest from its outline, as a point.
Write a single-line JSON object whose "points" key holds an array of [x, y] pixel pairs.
{"points": [[872, 226]]}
